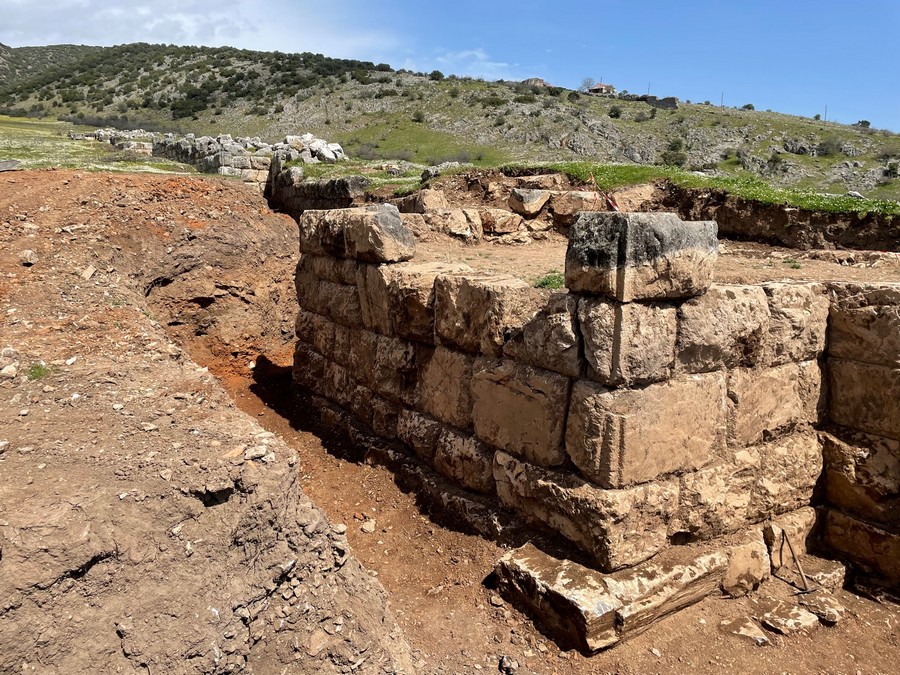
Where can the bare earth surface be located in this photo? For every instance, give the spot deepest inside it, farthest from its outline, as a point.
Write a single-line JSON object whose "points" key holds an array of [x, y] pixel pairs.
{"points": [[134, 533]]}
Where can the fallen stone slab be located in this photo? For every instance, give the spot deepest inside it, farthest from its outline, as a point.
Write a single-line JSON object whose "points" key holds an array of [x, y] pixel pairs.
{"points": [[10, 165], [745, 628], [782, 617], [526, 202], [825, 606], [634, 256], [590, 610]]}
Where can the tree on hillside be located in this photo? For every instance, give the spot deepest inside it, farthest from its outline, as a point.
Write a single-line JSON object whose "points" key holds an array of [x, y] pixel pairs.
{"points": [[586, 84]]}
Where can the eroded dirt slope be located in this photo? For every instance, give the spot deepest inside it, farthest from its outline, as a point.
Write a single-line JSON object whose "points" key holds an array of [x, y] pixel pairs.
{"points": [[146, 525]]}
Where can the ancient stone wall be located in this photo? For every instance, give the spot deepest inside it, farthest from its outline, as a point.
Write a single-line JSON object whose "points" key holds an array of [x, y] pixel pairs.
{"points": [[641, 409], [862, 450]]}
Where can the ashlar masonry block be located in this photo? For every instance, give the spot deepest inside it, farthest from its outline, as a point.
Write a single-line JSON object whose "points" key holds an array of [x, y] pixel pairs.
{"points": [[628, 343], [635, 256], [521, 409], [617, 528], [622, 437]]}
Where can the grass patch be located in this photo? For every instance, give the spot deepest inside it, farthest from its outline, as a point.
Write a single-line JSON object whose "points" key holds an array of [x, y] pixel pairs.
{"points": [[36, 371], [553, 279]]}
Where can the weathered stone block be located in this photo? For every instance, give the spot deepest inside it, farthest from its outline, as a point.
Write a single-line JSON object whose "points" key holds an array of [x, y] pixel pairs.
{"points": [[567, 599], [445, 387], [395, 372], [499, 221], [725, 328], [811, 389], [309, 368], [801, 529], [798, 318], [466, 460], [385, 417], [419, 431], [521, 410], [616, 527], [626, 436], [566, 206], [763, 402], [399, 299], [715, 500], [370, 234], [462, 223], [315, 330], [865, 397], [479, 313], [551, 339], [338, 385], [527, 202], [748, 567], [633, 256], [865, 324], [422, 201], [361, 403], [862, 475], [790, 469], [867, 545], [341, 347], [338, 302], [363, 356], [628, 344]]}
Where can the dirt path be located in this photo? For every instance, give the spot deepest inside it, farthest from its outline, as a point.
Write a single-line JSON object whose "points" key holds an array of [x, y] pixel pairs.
{"points": [[170, 273]]}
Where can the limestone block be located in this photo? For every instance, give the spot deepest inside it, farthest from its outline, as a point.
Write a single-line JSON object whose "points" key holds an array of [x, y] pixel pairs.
{"points": [[464, 224], [811, 389], [338, 385], [865, 397], [801, 529], [763, 402], [551, 339], [480, 312], [715, 500], [326, 268], [260, 162], [340, 303], [798, 317], [748, 567], [627, 436], [445, 387], [385, 417], [725, 328], [568, 600], [500, 221], [363, 356], [361, 403], [864, 324], [399, 299], [565, 206], [635, 256], [527, 203], [341, 347], [322, 231], [370, 234], [309, 368], [395, 371], [521, 410], [668, 583], [419, 431], [865, 544], [422, 201], [862, 475], [617, 528], [789, 471], [627, 343], [544, 181], [317, 331], [466, 460], [377, 235]]}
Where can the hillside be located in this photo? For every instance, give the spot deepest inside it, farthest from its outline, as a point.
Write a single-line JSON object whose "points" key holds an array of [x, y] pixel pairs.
{"points": [[376, 112], [23, 62]]}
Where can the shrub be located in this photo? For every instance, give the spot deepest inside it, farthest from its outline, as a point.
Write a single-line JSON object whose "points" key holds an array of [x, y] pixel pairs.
{"points": [[436, 75], [828, 147], [674, 154], [418, 117], [615, 112], [748, 106], [553, 279]]}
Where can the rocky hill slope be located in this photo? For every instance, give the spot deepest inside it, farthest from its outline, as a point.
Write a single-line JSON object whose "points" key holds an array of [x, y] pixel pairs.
{"points": [[377, 112]]}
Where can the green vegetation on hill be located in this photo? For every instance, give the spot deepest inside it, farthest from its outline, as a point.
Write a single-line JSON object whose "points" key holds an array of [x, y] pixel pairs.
{"points": [[378, 113]]}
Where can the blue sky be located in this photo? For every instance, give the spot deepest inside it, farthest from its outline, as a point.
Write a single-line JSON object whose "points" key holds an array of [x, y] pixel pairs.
{"points": [[794, 56]]}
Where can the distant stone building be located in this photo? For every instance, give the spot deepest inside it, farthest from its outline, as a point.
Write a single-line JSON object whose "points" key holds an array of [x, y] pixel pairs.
{"points": [[601, 88]]}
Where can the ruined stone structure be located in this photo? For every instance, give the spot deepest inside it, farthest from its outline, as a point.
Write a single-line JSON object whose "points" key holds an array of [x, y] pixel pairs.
{"points": [[668, 428]]}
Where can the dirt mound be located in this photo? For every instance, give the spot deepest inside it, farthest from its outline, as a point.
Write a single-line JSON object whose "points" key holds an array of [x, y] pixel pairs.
{"points": [[149, 526]]}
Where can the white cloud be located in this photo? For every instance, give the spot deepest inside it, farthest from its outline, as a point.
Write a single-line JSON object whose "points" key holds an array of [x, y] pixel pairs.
{"points": [[472, 62], [268, 25]]}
